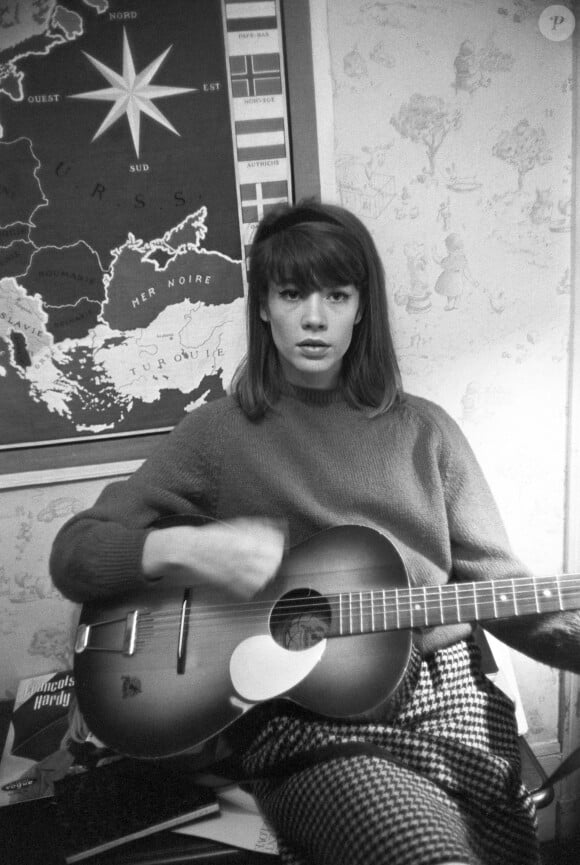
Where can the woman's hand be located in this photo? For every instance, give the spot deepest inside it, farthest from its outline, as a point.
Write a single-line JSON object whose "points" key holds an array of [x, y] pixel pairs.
{"points": [[241, 555]]}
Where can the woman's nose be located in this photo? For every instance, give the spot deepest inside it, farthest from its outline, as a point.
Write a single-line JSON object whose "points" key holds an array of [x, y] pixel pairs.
{"points": [[313, 313]]}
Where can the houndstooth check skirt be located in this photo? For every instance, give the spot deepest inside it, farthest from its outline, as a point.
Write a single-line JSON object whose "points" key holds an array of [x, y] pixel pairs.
{"points": [[452, 791]]}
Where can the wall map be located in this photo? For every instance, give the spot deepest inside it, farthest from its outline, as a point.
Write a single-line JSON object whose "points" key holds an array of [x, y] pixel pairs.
{"points": [[139, 145]]}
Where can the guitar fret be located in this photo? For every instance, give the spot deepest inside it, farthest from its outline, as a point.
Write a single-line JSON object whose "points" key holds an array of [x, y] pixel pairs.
{"points": [[494, 599], [561, 602], [350, 612], [549, 595], [457, 602], [514, 596], [536, 595], [380, 610]]}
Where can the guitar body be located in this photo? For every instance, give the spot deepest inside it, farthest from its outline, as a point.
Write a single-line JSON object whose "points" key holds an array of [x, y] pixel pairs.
{"points": [[160, 672]]}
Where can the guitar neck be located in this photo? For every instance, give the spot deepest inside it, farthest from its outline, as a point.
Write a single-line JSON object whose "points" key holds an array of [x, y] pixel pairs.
{"points": [[425, 606]]}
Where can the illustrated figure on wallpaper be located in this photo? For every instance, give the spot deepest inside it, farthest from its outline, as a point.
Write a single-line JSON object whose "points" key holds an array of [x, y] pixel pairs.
{"points": [[31, 588], [53, 643], [24, 533], [473, 68], [470, 401], [416, 297], [5, 586], [380, 55], [57, 509], [460, 183], [354, 64], [444, 214], [523, 148], [467, 69], [564, 284], [427, 120], [455, 272], [404, 208], [541, 210], [561, 217]]}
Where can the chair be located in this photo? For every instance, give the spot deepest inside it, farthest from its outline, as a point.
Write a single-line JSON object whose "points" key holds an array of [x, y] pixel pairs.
{"points": [[534, 776]]}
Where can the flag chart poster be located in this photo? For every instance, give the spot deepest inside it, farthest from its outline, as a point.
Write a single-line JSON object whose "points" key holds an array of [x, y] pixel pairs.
{"points": [[140, 144]]}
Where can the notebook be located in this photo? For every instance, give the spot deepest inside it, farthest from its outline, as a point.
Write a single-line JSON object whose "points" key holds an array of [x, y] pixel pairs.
{"points": [[125, 800]]}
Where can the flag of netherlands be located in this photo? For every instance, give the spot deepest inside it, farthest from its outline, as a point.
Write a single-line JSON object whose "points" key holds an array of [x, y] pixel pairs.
{"points": [[242, 15], [252, 28], [260, 139]]}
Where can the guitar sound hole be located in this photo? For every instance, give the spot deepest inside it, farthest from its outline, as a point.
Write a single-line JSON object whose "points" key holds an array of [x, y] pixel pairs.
{"points": [[300, 619]]}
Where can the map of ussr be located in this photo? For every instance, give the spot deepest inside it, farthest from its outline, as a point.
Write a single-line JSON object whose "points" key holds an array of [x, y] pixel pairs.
{"points": [[121, 265]]}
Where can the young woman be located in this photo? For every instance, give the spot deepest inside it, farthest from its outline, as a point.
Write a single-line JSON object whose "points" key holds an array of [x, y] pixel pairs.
{"points": [[317, 433]]}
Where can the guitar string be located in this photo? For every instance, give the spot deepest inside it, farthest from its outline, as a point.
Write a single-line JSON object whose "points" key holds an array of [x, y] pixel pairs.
{"points": [[150, 633], [407, 611], [425, 595], [407, 601]]}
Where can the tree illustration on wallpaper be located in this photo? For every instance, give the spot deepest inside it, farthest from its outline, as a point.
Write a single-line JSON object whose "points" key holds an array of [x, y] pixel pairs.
{"points": [[427, 120], [523, 147]]}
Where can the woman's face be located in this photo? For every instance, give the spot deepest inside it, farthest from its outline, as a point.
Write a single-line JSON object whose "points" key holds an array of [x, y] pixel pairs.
{"points": [[312, 332]]}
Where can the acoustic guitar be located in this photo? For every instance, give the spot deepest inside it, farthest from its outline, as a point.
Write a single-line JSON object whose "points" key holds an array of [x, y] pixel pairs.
{"points": [[161, 671]]}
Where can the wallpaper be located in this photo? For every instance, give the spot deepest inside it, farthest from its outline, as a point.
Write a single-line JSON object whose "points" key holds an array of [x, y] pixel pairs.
{"points": [[453, 142]]}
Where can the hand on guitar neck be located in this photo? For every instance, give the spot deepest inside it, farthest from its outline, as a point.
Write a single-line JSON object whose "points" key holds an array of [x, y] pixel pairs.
{"points": [[241, 556]]}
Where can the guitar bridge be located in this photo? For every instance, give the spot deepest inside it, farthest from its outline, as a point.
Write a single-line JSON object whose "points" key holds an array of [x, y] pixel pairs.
{"points": [[113, 635]]}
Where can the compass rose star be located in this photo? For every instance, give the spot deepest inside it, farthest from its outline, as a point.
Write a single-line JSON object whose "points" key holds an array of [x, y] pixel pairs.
{"points": [[132, 93]]}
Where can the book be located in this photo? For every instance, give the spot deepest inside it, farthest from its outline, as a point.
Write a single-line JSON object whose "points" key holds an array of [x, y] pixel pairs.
{"points": [[35, 750], [240, 824], [122, 801], [169, 848]]}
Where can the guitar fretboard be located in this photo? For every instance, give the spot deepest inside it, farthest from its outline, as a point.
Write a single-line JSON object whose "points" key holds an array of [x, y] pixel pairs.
{"points": [[425, 606]]}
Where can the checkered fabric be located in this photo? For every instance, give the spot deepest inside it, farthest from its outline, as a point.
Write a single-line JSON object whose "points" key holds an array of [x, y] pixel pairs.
{"points": [[453, 794]]}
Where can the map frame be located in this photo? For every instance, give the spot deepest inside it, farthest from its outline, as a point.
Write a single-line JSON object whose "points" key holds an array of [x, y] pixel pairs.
{"points": [[77, 454]]}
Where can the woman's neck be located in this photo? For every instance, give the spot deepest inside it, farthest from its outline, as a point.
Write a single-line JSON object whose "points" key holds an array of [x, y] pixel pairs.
{"points": [[311, 395]]}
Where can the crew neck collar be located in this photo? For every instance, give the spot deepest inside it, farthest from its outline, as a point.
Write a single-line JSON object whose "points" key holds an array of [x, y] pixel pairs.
{"points": [[313, 396]]}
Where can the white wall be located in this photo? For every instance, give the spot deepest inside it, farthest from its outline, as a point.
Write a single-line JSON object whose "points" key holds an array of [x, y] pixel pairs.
{"points": [[491, 344]]}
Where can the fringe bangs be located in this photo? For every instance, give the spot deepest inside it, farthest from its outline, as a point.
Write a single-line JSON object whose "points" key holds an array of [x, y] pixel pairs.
{"points": [[311, 259]]}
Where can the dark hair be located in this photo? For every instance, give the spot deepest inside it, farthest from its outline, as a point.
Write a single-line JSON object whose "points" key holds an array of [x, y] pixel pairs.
{"points": [[313, 245]]}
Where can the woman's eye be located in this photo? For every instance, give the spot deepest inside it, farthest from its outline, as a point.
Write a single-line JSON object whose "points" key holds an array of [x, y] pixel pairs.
{"points": [[289, 293]]}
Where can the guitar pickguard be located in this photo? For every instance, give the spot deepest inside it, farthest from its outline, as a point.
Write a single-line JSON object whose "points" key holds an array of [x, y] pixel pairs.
{"points": [[260, 669]]}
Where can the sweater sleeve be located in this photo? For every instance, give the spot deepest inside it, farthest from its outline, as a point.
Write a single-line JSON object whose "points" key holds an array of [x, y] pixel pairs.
{"points": [[98, 553], [481, 551]]}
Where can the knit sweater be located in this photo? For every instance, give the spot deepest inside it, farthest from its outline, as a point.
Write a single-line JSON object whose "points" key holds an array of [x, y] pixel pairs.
{"points": [[314, 461]]}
